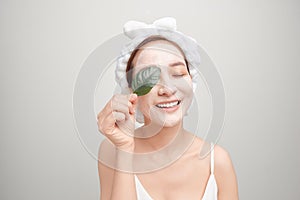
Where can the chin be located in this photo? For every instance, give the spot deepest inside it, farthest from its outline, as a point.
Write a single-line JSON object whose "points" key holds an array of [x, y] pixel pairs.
{"points": [[169, 124], [165, 119], [169, 121]]}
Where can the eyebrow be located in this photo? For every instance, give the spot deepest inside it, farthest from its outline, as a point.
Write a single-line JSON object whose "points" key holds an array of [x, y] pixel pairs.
{"points": [[176, 64]]}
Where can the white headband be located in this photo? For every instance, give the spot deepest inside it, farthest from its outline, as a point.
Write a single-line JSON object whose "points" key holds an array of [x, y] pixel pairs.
{"points": [[165, 27]]}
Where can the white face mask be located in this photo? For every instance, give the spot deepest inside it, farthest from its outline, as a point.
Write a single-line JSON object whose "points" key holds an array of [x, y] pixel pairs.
{"points": [[170, 98]]}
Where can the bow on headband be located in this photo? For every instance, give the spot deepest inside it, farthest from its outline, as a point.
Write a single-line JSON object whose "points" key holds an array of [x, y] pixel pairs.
{"points": [[133, 28]]}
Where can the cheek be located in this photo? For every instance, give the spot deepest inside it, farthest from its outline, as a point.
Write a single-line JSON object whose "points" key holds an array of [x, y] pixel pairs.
{"points": [[143, 103], [184, 84]]}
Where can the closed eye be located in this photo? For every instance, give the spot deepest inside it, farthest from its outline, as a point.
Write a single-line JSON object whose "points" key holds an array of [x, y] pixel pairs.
{"points": [[178, 75]]}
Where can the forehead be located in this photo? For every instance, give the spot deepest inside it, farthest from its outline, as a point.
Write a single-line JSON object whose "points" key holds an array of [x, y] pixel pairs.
{"points": [[159, 52]]}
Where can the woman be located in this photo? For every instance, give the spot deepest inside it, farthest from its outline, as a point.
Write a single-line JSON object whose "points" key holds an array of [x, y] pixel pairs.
{"points": [[161, 110]]}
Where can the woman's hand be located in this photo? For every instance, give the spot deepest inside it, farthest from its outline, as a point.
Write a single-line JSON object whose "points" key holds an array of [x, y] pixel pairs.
{"points": [[117, 120]]}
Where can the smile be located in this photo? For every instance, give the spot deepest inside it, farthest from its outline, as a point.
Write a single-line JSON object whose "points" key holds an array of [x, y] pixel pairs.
{"points": [[168, 105]]}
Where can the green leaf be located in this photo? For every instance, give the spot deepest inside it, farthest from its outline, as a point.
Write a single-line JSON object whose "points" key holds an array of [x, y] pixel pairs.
{"points": [[145, 80]]}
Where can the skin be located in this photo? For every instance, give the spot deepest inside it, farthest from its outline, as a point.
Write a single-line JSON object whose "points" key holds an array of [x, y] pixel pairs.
{"points": [[187, 177]]}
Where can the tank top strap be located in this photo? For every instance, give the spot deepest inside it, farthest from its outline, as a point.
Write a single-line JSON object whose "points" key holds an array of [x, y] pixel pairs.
{"points": [[212, 162]]}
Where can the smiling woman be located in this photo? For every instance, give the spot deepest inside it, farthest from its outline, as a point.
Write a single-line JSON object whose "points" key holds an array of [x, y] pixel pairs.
{"points": [[174, 89], [161, 109]]}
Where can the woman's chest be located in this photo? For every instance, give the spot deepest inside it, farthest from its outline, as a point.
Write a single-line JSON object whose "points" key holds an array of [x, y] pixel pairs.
{"points": [[185, 179]]}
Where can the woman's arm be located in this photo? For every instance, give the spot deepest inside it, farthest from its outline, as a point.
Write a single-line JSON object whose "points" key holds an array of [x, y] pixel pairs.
{"points": [[225, 175], [115, 184], [116, 122]]}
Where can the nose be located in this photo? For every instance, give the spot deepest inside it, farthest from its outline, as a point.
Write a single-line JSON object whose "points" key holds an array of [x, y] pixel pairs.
{"points": [[166, 88], [166, 91]]}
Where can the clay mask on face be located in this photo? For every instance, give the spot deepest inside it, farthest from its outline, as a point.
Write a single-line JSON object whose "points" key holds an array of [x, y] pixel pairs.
{"points": [[169, 99], [174, 75]]}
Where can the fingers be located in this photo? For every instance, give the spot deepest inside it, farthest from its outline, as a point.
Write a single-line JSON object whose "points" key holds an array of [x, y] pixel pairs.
{"points": [[133, 99], [118, 116], [107, 124], [124, 103], [118, 109], [122, 109], [114, 122], [117, 103]]}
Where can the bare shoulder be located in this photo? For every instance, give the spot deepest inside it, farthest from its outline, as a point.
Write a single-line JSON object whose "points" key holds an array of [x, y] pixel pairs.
{"points": [[106, 173], [222, 159], [225, 174]]}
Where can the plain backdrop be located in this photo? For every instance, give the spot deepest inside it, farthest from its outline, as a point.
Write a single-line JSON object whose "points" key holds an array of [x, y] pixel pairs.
{"points": [[43, 44]]}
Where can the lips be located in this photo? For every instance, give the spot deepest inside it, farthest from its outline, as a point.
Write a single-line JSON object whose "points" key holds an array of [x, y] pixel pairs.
{"points": [[168, 104]]}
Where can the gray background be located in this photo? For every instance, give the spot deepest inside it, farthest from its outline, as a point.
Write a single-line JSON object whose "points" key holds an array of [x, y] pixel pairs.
{"points": [[255, 45]]}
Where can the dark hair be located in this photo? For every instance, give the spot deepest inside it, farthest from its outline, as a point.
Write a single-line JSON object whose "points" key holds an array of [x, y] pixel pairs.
{"points": [[135, 51]]}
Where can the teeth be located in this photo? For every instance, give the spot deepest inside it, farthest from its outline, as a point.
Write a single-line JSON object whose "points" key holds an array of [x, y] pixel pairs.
{"points": [[168, 105]]}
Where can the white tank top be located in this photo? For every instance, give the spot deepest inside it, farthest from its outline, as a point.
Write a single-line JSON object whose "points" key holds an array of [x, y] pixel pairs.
{"points": [[210, 193]]}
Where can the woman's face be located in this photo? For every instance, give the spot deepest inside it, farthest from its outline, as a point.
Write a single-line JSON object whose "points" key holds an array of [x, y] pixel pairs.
{"points": [[170, 98]]}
